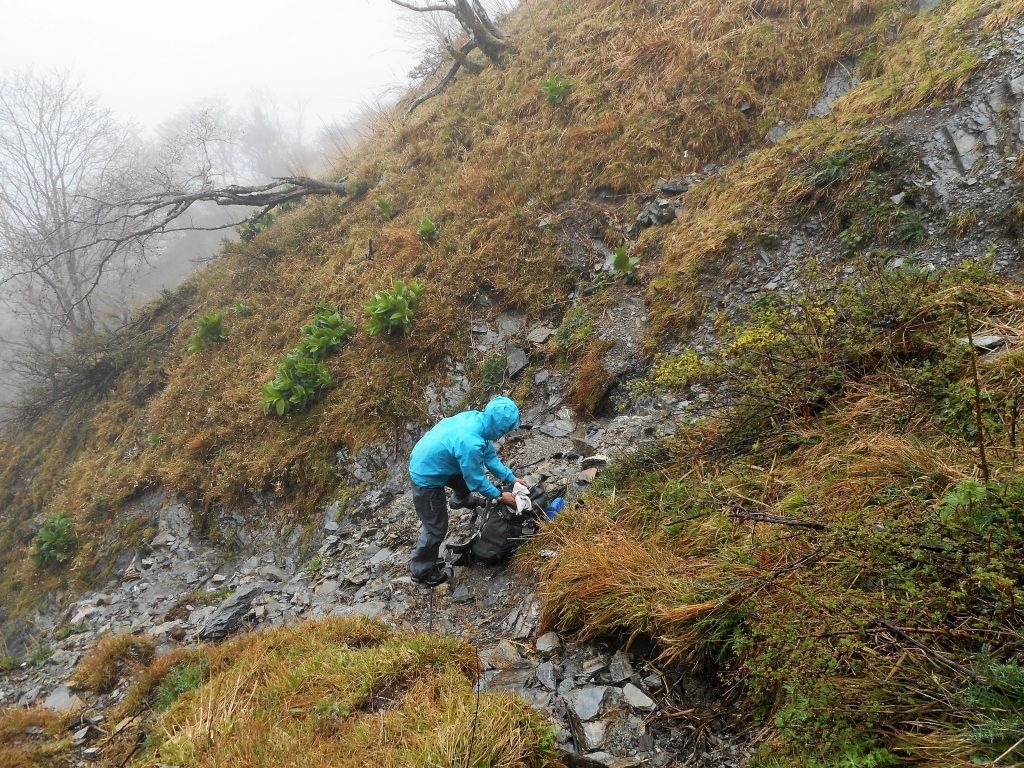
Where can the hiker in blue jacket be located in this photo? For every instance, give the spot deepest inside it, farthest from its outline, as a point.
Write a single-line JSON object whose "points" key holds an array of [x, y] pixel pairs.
{"points": [[456, 453]]}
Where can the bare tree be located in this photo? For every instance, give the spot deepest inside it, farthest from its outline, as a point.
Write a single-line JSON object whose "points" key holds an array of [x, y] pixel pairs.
{"points": [[59, 152], [461, 27], [79, 205]]}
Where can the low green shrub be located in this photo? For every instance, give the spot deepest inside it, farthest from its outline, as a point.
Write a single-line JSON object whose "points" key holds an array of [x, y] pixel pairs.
{"points": [[622, 263], [55, 542], [301, 376], [249, 229], [576, 328], [492, 374], [391, 310], [384, 208], [427, 230], [556, 88], [209, 330]]}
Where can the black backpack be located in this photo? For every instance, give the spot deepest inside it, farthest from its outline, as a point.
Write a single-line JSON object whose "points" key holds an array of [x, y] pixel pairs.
{"points": [[502, 531]]}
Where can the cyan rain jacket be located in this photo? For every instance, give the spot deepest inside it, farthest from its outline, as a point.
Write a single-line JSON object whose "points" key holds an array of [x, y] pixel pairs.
{"points": [[461, 445]]}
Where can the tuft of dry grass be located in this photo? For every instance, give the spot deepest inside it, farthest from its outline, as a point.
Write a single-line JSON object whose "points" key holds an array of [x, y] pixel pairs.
{"points": [[345, 692], [113, 657], [590, 381], [19, 749]]}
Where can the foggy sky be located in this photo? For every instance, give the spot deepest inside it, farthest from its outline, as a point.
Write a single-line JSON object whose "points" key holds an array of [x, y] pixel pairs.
{"points": [[146, 60]]}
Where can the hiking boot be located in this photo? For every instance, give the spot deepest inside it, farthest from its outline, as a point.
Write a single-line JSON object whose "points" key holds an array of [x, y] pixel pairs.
{"points": [[472, 501], [433, 577]]}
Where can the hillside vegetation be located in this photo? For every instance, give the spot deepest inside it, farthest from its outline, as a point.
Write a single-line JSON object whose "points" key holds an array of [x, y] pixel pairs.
{"points": [[838, 541], [292, 696]]}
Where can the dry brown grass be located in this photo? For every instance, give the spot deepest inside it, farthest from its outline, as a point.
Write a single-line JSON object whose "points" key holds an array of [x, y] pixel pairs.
{"points": [[113, 658], [345, 692], [21, 750], [934, 58], [590, 381], [607, 579]]}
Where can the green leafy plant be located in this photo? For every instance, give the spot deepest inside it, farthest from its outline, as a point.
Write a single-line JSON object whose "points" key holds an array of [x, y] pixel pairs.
{"points": [[427, 230], [556, 88], [301, 376], [241, 309], [249, 229], [622, 263], [383, 205], [391, 310], [209, 330], [327, 331], [55, 542]]}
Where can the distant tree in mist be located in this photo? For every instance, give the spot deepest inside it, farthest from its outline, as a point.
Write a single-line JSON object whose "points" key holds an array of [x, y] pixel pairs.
{"points": [[60, 154], [84, 201]]}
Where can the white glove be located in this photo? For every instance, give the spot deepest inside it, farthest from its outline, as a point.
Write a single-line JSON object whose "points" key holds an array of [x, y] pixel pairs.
{"points": [[522, 494]]}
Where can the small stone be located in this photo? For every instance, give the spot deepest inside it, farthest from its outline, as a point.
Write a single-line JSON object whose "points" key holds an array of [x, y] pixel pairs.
{"points": [[594, 733], [620, 669], [219, 578], [637, 699], [177, 634], [540, 377], [597, 460], [331, 526], [673, 187], [985, 342], [81, 734], [381, 557], [516, 360], [548, 643], [540, 334], [776, 133], [502, 656], [586, 476], [546, 675], [326, 588], [653, 682], [63, 700], [586, 701], [273, 573], [594, 665]]}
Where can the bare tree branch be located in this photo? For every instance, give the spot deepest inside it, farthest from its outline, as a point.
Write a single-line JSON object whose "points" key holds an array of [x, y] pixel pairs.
{"points": [[439, 8], [437, 90], [480, 31]]}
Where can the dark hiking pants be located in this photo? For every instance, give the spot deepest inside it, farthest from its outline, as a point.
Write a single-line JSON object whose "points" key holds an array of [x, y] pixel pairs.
{"points": [[432, 509]]}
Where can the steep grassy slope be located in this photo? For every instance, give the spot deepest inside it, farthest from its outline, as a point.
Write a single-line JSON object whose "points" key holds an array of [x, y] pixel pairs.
{"points": [[658, 90], [833, 543]]}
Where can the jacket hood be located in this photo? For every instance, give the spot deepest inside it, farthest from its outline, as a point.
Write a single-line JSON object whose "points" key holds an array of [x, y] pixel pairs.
{"points": [[501, 416]]}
